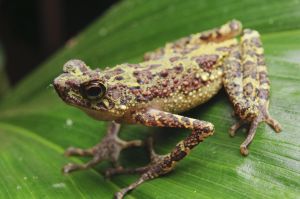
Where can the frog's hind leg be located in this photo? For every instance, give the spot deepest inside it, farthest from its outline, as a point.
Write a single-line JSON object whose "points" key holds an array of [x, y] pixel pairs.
{"points": [[248, 86], [163, 164], [228, 30], [108, 149]]}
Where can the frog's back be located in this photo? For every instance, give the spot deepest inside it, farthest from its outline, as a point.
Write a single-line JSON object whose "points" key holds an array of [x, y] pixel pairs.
{"points": [[174, 82]]}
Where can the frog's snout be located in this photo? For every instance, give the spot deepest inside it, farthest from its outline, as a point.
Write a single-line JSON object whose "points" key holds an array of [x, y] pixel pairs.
{"points": [[63, 85], [58, 87]]}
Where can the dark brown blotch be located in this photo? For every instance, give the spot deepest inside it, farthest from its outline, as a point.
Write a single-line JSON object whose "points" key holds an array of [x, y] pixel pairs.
{"points": [[118, 78], [256, 41], [186, 121], [178, 68], [178, 155], [164, 83], [206, 62], [263, 94], [164, 73], [206, 36]]}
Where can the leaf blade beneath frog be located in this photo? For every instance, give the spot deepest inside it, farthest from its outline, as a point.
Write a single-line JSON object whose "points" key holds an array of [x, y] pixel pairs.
{"points": [[215, 168], [32, 171]]}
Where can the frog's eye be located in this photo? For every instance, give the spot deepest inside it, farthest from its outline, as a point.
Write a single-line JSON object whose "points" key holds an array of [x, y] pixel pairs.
{"points": [[93, 90]]}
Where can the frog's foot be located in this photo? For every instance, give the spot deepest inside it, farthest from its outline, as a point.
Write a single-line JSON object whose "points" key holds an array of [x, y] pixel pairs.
{"points": [[120, 170], [156, 167], [235, 127], [72, 151], [108, 149], [252, 129], [247, 84]]}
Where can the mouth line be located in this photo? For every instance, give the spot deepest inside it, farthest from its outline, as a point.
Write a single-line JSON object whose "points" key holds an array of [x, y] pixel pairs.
{"points": [[71, 100], [68, 99]]}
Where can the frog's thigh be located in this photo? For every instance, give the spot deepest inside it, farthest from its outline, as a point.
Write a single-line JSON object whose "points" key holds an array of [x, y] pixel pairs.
{"points": [[163, 164], [247, 84], [260, 93], [227, 31], [245, 77], [234, 79]]}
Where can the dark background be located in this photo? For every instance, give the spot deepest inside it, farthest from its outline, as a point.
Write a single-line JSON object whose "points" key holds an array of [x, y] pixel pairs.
{"points": [[31, 30]]}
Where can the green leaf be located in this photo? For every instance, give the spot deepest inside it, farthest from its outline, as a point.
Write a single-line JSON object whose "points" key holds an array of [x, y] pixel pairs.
{"points": [[35, 125]]}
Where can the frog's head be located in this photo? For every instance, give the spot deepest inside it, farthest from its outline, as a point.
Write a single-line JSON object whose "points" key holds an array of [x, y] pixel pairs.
{"points": [[82, 87]]}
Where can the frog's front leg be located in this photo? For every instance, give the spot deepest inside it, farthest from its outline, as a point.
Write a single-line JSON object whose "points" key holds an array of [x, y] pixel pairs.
{"points": [[108, 149], [247, 84], [163, 164]]}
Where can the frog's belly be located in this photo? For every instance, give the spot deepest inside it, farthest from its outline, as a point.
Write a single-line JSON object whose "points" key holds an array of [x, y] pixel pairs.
{"points": [[180, 102]]}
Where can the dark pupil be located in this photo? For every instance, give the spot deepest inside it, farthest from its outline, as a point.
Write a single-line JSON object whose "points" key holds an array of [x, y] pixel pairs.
{"points": [[94, 91]]}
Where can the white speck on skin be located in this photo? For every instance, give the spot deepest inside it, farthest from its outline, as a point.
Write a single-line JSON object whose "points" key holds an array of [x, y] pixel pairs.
{"points": [[19, 187], [59, 185], [69, 122], [25, 178], [123, 107]]}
